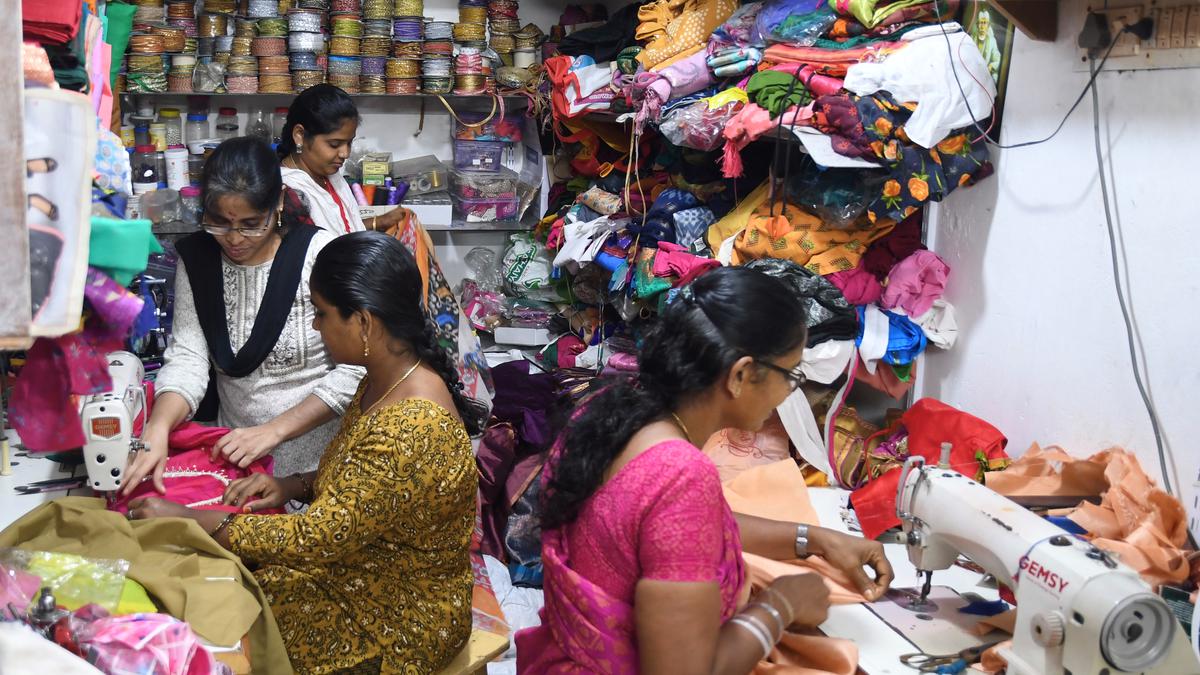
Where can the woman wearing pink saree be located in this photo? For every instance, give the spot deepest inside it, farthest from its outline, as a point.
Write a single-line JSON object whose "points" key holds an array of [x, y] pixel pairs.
{"points": [[642, 554]]}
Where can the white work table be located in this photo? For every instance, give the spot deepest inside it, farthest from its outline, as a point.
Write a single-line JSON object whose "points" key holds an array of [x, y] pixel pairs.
{"points": [[26, 470], [880, 647]]}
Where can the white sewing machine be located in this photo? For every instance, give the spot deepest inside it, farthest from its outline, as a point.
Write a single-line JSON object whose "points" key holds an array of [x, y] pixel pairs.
{"points": [[1079, 610], [108, 421]]}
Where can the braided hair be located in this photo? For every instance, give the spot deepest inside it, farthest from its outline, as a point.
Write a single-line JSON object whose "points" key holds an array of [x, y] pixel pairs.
{"points": [[374, 273], [724, 315]]}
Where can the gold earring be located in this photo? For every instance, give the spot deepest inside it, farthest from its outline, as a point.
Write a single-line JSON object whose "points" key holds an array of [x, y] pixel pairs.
{"points": [[366, 348]]}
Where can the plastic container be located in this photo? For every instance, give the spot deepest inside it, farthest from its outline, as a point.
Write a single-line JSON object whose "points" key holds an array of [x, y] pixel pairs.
{"points": [[507, 129], [485, 210], [145, 169], [227, 124], [177, 167], [423, 174], [174, 124], [190, 196], [501, 184], [127, 136], [160, 162], [195, 167], [197, 127], [158, 136], [258, 126], [278, 122], [478, 155]]}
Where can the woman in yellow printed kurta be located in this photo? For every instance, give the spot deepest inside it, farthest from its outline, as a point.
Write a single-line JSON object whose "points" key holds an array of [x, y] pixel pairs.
{"points": [[374, 577]]}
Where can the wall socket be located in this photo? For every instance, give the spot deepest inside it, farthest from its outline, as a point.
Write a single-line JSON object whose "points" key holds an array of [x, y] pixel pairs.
{"points": [[1174, 43]]}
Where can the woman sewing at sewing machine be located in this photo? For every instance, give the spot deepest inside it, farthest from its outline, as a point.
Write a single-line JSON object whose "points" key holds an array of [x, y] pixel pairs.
{"points": [[243, 310], [321, 124], [375, 576], [642, 554]]}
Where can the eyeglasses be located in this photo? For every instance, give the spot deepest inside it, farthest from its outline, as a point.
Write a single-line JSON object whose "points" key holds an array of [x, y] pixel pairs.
{"points": [[251, 232], [794, 377]]}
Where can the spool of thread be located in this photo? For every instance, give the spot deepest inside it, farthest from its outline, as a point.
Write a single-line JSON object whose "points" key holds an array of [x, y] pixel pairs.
{"points": [[273, 27], [275, 84], [438, 50], [406, 50], [221, 43], [146, 83], [303, 61], [523, 58], [408, 8], [403, 68], [323, 62], [374, 66], [439, 31], [469, 14], [242, 65], [245, 28], [273, 65], [181, 10], [376, 46], [242, 46], [320, 5], [306, 42], [183, 61], [377, 9], [269, 46], [503, 43], [179, 83], [505, 25], [188, 26], [261, 9], [174, 38], [467, 32], [347, 83], [241, 84], [304, 21], [468, 85], [439, 68], [285, 6], [144, 63], [220, 6], [404, 87], [212, 25], [408, 29], [359, 196], [436, 85], [502, 9], [303, 79], [5, 458], [378, 28], [345, 46], [468, 62], [345, 65], [344, 26], [372, 84], [348, 6], [146, 43]]}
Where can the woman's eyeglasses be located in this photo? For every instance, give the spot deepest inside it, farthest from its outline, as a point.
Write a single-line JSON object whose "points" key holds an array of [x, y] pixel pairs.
{"points": [[794, 377], [251, 232]]}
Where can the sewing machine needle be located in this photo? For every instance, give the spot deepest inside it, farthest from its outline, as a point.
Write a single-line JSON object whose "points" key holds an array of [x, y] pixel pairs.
{"points": [[927, 586]]}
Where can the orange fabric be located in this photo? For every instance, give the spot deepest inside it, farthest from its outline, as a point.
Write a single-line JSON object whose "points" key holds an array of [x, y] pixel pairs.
{"points": [[778, 491], [410, 231], [1137, 520], [801, 237], [671, 28], [734, 450]]}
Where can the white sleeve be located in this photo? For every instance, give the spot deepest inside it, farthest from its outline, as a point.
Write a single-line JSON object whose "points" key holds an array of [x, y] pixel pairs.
{"points": [[185, 368]]}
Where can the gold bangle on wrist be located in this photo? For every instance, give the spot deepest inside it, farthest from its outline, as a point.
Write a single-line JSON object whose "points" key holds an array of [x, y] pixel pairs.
{"points": [[221, 525]]}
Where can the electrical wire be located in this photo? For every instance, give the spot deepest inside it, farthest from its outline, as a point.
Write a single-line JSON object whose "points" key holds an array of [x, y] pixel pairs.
{"points": [[1116, 275]]}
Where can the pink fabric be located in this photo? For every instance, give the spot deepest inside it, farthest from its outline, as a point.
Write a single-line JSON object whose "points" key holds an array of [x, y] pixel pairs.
{"points": [[684, 77], [819, 85], [749, 125], [146, 644], [915, 283], [858, 285], [191, 477], [17, 588], [663, 516], [674, 260]]}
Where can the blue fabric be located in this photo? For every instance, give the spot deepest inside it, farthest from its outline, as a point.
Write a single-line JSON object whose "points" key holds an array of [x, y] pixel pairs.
{"points": [[906, 340]]}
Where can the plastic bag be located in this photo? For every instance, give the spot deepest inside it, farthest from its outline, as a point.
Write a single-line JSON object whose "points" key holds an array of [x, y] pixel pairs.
{"points": [[75, 581], [483, 308], [529, 269], [17, 589], [697, 126], [802, 21], [839, 197]]}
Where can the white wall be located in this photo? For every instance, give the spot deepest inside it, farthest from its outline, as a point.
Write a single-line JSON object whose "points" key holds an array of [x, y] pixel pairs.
{"points": [[1043, 351]]}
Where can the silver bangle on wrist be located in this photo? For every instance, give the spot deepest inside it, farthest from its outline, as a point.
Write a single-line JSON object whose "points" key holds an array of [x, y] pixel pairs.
{"points": [[766, 607], [787, 606], [802, 541], [757, 629]]}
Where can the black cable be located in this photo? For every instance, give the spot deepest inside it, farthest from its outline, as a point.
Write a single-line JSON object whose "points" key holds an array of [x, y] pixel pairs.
{"points": [[1112, 244], [975, 121]]}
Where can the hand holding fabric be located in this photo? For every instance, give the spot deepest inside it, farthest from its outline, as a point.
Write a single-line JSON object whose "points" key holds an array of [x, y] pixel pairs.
{"points": [[850, 554], [242, 447], [271, 493], [807, 595], [141, 508], [150, 461]]}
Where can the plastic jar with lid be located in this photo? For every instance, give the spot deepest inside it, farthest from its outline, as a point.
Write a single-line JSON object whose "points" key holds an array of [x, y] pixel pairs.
{"points": [[227, 124], [170, 118], [190, 196], [177, 167], [197, 127], [158, 136], [278, 122], [145, 169]]}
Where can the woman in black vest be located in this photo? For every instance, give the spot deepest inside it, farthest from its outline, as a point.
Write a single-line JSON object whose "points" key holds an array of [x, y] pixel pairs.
{"points": [[243, 313]]}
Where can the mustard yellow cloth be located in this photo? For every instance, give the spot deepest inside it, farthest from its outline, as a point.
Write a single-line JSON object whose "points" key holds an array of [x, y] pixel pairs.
{"points": [[377, 569]]}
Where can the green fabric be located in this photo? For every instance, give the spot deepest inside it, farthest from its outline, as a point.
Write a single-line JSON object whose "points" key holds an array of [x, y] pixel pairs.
{"points": [[134, 600], [191, 576], [645, 285], [860, 40], [121, 248], [120, 26], [770, 90]]}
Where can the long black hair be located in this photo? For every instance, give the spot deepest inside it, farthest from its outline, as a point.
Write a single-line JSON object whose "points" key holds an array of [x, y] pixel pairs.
{"points": [[724, 315], [320, 109], [246, 167], [375, 273]]}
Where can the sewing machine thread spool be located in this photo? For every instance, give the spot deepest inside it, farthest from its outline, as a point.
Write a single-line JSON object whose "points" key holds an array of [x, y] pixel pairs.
{"points": [[5, 458]]}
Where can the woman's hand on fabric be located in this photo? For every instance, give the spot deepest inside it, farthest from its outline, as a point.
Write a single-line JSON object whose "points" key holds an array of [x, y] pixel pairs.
{"points": [[850, 554], [142, 508], [271, 493], [808, 596], [387, 221], [242, 447], [149, 461]]}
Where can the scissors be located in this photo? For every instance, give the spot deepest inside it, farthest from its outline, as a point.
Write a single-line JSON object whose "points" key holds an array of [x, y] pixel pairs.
{"points": [[945, 664]]}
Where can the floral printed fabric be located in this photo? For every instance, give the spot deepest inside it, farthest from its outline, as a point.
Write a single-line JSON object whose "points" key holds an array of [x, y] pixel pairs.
{"points": [[872, 127]]}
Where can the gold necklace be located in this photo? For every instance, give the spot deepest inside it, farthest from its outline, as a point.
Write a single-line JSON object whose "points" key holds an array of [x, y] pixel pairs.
{"points": [[682, 427], [399, 382]]}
